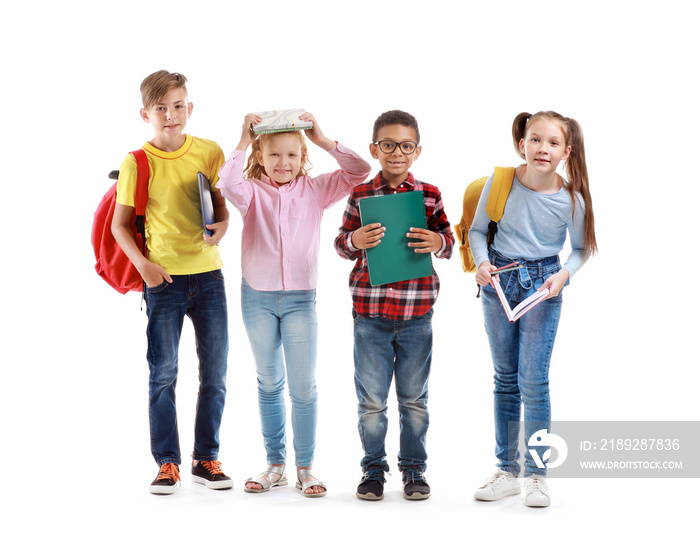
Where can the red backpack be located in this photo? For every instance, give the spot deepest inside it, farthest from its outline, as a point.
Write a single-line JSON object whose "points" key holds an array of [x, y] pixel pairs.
{"points": [[112, 263]]}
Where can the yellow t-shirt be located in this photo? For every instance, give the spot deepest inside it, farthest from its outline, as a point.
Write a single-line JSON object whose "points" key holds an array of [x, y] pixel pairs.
{"points": [[174, 232]]}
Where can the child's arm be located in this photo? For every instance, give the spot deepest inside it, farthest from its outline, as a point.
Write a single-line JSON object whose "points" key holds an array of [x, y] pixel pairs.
{"points": [[231, 182], [221, 216], [332, 187], [344, 244], [315, 134], [152, 273]]}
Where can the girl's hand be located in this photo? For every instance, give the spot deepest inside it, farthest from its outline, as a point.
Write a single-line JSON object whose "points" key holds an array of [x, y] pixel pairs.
{"points": [[483, 274], [430, 241], [247, 136], [368, 236], [555, 283], [315, 135]]}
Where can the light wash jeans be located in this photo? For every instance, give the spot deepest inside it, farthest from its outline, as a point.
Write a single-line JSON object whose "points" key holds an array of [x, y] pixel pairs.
{"points": [[201, 297], [521, 354], [282, 329], [384, 349]]}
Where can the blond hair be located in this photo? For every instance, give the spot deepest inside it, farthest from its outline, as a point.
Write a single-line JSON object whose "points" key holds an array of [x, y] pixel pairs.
{"points": [[255, 169], [156, 85]]}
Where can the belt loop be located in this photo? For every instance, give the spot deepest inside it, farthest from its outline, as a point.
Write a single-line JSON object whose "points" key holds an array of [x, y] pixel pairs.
{"points": [[539, 269]]}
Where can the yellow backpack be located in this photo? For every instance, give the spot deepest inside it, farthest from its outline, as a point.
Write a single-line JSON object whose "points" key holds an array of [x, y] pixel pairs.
{"points": [[498, 195]]}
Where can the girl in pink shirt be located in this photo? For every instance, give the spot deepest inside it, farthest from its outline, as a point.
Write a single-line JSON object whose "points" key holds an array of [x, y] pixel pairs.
{"points": [[282, 208]]}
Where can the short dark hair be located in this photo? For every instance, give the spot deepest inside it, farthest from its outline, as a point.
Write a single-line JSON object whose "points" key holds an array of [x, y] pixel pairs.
{"points": [[395, 117]]}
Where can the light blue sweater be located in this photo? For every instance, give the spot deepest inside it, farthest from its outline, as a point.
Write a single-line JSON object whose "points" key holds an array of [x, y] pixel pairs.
{"points": [[533, 227]]}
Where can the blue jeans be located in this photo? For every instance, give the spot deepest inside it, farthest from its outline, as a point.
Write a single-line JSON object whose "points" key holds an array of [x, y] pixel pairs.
{"points": [[201, 297], [385, 348], [277, 320], [521, 354]]}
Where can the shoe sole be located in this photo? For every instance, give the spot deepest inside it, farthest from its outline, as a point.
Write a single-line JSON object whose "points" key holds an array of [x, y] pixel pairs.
{"points": [[162, 490], [514, 491], [218, 484], [369, 496], [417, 496]]}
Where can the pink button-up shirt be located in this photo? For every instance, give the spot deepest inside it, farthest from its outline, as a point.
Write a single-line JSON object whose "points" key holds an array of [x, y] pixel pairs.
{"points": [[282, 223]]}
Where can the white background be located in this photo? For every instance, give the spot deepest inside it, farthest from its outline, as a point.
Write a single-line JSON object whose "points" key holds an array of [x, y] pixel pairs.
{"points": [[73, 393]]}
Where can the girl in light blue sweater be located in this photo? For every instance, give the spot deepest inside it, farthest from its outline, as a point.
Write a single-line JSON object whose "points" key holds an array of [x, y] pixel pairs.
{"points": [[542, 208]]}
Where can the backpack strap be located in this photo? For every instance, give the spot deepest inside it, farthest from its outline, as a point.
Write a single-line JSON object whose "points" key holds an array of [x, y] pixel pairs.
{"points": [[496, 202], [140, 202], [141, 194], [502, 183]]}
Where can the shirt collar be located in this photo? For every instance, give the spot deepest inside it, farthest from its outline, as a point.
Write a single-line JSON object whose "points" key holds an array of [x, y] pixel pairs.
{"points": [[378, 183]]}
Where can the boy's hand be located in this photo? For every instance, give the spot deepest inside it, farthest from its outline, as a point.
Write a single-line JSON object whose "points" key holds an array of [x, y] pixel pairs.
{"points": [[218, 231], [430, 242], [368, 236], [315, 134], [247, 136], [153, 274]]}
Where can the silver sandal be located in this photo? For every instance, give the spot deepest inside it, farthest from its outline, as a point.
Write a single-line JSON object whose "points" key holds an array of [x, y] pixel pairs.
{"points": [[301, 484], [265, 479]]}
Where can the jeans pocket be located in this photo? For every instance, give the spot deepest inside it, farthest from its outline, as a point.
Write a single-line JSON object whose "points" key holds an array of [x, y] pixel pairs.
{"points": [[157, 288], [218, 274]]}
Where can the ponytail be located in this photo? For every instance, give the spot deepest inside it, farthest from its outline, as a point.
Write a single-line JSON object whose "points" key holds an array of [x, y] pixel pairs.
{"points": [[576, 169]]}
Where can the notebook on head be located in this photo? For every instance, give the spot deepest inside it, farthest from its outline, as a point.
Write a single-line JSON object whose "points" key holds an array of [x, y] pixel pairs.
{"points": [[281, 121]]}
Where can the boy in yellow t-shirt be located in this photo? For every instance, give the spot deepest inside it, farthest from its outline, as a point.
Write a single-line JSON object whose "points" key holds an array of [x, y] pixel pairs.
{"points": [[182, 272]]}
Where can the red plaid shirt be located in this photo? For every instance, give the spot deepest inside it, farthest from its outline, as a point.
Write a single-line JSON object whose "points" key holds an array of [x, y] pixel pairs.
{"points": [[403, 299]]}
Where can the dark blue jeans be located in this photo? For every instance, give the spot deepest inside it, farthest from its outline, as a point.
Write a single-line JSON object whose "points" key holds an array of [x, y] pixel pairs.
{"points": [[202, 298]]}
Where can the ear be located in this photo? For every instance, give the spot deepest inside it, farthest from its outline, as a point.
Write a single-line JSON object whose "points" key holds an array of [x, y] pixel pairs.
{"points": [[144, 115], [567, 153], [259, 158], [373, 151], [417, 152], [189, 109], [521, 144]]}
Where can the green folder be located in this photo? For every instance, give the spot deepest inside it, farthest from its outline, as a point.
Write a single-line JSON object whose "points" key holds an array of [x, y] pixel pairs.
{"points": [[392, 260]]}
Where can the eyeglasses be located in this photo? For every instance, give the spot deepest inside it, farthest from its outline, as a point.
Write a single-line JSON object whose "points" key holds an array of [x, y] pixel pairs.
{"points": [[388, 146]]}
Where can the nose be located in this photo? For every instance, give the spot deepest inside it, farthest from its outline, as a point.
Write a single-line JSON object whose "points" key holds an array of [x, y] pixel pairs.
{"points": [[397, 150]]}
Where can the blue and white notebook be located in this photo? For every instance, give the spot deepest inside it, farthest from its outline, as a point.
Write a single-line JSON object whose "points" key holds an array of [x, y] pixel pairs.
{"points": [[205, 202], [281, 121]]}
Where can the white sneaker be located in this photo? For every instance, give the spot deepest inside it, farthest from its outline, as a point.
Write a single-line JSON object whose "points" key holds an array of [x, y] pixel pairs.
{"points": [[536, 492], [500, 484]]}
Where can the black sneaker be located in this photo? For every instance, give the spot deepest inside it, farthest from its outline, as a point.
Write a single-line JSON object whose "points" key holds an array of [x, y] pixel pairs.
{"points": [[210, 474], [371, 486], [415, 487], [167, 481]]}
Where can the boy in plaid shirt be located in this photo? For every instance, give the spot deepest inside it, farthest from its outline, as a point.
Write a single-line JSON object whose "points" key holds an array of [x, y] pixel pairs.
{"points": [[393, 330]]}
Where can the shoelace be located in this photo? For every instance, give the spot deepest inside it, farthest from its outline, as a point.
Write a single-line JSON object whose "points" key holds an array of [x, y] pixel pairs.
{"points": [[413, 475], [169, 471], [213, 466], [374, 475], [534, 484], [496, 479]]}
